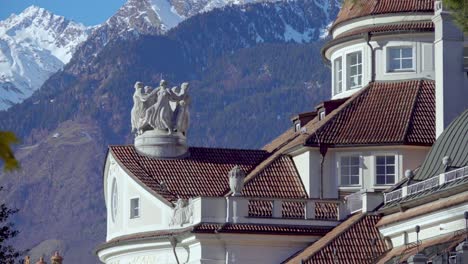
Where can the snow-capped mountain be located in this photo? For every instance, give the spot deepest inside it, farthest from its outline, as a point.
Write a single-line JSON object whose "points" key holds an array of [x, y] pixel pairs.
{"points": [[34, 45]]}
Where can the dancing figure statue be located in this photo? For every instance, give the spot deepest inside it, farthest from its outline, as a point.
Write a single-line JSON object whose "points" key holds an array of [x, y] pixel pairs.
{"points": [[153, 109]]}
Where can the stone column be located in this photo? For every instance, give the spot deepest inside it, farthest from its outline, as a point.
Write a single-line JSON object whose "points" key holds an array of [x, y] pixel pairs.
{"points": [[450, 80], [417, 259], [56, 258]]}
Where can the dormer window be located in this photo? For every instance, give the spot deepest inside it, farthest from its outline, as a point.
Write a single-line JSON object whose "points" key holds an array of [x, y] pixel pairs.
{"points": [[400, 59], [338, 76], [354, 70], [297, 127], [322, 115]]}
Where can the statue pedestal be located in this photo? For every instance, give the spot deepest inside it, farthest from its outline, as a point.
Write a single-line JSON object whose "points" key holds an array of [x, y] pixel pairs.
{"points": [[159, 144]]}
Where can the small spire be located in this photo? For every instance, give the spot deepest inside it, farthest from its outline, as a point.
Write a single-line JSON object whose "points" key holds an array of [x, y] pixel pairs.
{"points": [[56, 258], [41, 261]]}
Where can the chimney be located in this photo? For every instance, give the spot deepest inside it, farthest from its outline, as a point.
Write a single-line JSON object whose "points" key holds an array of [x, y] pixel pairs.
{"points": [[450, 78]]}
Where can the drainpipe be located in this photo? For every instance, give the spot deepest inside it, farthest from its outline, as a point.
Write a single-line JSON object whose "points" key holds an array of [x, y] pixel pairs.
{"points": [[323, 152], [368, 39]]}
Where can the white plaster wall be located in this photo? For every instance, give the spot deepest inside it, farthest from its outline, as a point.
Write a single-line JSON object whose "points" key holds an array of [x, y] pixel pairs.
{"points": [[154, 214], [451, 80], [150, 252], [406, 158], [209, 249], [423, 53], [308, 166], [432, 225]]}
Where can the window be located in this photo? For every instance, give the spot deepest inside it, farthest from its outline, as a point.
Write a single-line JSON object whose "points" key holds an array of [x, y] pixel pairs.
{"points": [[338, 76], [400, 59], [349, 170], [297, 126], [354, 70], [134, 208], [385, 169], [114, 200], [322, 115]]}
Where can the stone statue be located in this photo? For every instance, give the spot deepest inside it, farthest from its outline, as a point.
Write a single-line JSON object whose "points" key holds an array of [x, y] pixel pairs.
{"points": [[236, 181], [152, 108], [182, 213], [137, 110], [160, 119], [183, 111]]}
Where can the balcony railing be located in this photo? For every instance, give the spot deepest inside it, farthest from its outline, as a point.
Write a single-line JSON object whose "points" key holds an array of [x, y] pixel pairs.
{"points": [[295, 208], [354, 202], [428, 184]]}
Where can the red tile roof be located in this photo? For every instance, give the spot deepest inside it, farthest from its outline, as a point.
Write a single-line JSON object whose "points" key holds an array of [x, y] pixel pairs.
{"points": [[427, 26], [356, 240], [205, 173], [262, 229], [280, 179], [382, 113], [361, 8]]}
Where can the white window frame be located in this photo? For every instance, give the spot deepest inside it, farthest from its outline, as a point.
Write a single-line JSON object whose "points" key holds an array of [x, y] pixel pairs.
{"points": [[132, 215], [395, 172], [338, 161], [400, 70], [338, 86], [373, 166], [348, 70]]}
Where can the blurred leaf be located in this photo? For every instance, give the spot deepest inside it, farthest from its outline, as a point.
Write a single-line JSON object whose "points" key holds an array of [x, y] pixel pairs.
{"points": [[6, 154]]}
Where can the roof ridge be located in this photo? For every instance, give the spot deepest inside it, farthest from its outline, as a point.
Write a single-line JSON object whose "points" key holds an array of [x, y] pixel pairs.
{"points": [[253, 173], [338, 110]]}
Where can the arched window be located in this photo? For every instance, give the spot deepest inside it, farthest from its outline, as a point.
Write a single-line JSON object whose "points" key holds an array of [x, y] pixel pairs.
{"points": [[114, 200]]}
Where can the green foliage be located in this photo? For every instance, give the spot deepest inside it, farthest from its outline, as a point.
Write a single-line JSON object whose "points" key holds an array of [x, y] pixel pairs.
{"points": [[460, 12], [8, 254], [6, 154]]}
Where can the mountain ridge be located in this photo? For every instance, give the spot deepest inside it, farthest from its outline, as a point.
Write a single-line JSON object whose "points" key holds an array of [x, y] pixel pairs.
{"points": [[33, 45]]}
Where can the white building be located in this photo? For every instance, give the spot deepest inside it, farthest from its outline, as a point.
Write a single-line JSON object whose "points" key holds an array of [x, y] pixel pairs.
{"points": [[398, 81]]}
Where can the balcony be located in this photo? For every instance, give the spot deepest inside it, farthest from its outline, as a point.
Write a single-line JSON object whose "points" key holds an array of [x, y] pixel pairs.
{"points": [[433, 182], [275, 211]]}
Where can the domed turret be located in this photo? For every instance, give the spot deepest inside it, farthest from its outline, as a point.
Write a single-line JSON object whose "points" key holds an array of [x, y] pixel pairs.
{"points": [[384, 40]]}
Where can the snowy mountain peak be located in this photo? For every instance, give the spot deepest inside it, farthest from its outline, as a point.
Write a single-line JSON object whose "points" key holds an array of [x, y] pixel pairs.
{"points": [[33, 45]]}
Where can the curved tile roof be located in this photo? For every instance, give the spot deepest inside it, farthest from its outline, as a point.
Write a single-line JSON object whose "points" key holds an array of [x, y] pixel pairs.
{"points": [[355, 241], [360, 8], [453, 142], [382, 113]]}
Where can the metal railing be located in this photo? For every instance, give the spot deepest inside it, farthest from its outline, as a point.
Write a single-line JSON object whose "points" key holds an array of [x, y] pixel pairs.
{"points": [[428, 184], [392, 196], [424, 185], [354, 202]]}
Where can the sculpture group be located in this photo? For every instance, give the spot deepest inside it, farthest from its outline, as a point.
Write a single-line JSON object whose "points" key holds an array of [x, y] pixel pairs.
{"points": [[152, 108]]}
